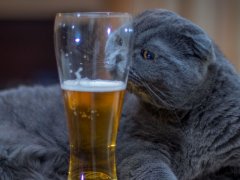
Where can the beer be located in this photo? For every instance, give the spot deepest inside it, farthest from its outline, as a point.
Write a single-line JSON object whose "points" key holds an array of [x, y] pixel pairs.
{"points": [[93, 112]]}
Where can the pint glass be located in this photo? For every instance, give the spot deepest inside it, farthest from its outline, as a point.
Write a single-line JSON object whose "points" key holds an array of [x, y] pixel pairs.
{"points": [[93, 57]]}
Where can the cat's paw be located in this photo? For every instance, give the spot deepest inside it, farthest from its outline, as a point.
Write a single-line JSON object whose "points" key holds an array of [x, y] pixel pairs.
{"points": [[153, 173], [149, 171]]}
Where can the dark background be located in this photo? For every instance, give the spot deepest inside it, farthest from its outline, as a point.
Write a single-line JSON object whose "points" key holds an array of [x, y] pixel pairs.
{"points": [[27, 53]]}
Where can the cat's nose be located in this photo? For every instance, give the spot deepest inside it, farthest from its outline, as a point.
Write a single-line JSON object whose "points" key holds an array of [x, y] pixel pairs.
{"points": [[119, 58]]}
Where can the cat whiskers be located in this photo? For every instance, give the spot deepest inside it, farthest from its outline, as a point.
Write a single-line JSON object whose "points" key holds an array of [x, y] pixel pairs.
{"points": [[153, 91], [156, 93], [160, 96], [135, 78]]}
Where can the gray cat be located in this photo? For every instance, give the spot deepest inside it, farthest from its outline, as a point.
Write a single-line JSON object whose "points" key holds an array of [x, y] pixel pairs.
{"points": [[184, 122]]}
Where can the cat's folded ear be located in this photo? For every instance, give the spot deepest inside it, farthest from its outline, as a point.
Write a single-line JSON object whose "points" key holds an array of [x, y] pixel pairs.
{"points": [[202, 46]]}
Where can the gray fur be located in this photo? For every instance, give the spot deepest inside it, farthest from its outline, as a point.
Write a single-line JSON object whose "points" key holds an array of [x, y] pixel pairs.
{"points": [[184, 120], [33, 136], [181, 122]]}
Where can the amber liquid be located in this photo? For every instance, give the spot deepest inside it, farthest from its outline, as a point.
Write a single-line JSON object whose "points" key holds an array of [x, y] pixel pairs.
{"points": [[93, 118]]}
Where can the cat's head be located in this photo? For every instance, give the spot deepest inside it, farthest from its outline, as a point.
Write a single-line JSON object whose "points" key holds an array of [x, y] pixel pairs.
{"points": [[117, 51], [171, 59]]}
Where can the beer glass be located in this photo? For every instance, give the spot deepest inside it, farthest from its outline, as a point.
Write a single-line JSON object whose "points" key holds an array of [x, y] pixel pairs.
{"points": [[93, 58]]}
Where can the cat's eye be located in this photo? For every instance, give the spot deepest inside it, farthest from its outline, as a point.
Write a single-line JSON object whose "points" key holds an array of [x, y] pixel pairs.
{"points": [[148, 55], [119, 40]]}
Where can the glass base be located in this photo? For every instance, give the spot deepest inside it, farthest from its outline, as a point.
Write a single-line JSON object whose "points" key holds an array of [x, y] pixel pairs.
{"points": [[90, 175], [96, 175]]}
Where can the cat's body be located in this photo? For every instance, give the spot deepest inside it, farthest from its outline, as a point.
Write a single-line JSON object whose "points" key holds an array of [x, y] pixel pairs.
{"points": [[33, 134], [182, 123]]}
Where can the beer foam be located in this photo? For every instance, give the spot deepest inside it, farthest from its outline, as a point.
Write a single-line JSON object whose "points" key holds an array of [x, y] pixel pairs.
{"points": [[93, 85]]}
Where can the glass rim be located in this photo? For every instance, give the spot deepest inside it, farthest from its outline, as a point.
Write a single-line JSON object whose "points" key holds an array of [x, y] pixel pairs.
{"points": [[104, 14]]}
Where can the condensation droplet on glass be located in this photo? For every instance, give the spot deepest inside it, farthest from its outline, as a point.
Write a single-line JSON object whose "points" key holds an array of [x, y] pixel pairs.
{"points": [[77, 40], [109, 30]]}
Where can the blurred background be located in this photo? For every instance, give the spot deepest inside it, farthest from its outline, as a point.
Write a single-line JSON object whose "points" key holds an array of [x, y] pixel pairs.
{"points": [[26, 31]]}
